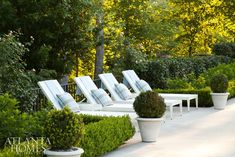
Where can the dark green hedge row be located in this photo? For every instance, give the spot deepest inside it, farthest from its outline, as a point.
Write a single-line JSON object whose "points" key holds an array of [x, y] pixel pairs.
{"points": [[24, 149], [204, 97], [106, 135], [225, 49], [231, 89], [159, 71]]}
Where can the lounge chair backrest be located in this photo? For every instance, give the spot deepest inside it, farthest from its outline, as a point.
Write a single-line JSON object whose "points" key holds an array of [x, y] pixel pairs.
{"points": [[109, 81], [131, 77], [85, 84], [50, 89]]}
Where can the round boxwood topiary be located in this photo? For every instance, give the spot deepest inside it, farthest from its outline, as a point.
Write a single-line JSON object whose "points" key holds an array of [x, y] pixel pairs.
{"points": [[63, 128], [149, 105], [219, 83]]}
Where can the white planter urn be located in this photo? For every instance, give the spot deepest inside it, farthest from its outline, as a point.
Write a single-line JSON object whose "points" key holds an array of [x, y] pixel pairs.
{"points": [[219, 100], [74, 152], [149, 128]]}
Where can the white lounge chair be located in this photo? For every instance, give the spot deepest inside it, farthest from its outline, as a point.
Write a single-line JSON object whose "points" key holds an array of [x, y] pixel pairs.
{"points": [[109, 81], [86, 85], [130, 78], [51, 88]]}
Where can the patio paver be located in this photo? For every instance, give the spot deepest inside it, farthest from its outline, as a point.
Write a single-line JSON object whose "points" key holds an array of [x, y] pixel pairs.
{"points": [[199, 133]]}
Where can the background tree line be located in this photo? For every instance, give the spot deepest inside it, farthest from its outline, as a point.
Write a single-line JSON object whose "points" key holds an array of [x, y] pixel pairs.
{"points": [[85, 37]]}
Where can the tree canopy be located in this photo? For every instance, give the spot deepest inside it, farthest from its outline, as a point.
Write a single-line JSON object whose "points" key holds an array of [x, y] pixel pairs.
{"points": [[66, 35]]}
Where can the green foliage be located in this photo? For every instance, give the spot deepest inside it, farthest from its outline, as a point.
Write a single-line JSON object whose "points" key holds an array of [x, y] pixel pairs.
{"points": [[225, 49], [178, 84], [203, 80], [171, 68], [219, 83], [231, 88], [36, 122], [24, 149], [149, 105], [227, 69], [199, 83], [87, 119], [204, 97], [188, 82], [104, 134], [61, 30], [200, 25], [13, 123], [131, 59], [14, 78], [63, 128]]}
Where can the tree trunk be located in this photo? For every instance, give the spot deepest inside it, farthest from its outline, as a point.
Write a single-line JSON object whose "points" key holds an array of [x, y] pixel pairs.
{"points": [[77, 62], [99, 57]]}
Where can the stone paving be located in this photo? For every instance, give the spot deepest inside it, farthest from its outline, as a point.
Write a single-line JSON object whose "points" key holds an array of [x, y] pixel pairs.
{"points": [[203, 132]]}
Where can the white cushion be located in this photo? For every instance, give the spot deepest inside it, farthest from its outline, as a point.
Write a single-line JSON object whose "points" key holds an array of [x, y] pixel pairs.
{"points": [[143, 85], [123, 91], [67, 99], [101, 97]]}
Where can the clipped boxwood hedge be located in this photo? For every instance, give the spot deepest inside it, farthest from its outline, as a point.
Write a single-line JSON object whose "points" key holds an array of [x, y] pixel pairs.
{"points": [[24, 149], [102, 135], [204, 97], [231, 88], [105, 135], [170, 68]]}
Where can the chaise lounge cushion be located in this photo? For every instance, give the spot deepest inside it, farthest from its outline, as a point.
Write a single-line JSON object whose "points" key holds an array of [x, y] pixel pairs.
{"points": [[143, 85], [101, 97], [67, 99], [123, 91]]}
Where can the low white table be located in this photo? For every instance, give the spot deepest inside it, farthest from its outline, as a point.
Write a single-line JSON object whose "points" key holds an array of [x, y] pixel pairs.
{"points": [[172, 103], [186, 97]]}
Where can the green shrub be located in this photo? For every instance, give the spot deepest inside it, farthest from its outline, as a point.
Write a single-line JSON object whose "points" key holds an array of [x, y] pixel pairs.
{"points": [[14, 78], [171, 68], [225, 49], [63, 128], [219, 83], [25, 149], [204, 97], [149, 105], [105, 135], [191, 81], [87, 119], [227, 69], [178, 84], [13, 123], [130, 59], [231, 88], [36, 123], [102, 134]]}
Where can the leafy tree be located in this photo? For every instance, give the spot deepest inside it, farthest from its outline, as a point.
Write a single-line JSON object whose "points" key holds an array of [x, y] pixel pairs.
{"points": [[141, 25], [59, 29], [201, 25], [14, 78]]}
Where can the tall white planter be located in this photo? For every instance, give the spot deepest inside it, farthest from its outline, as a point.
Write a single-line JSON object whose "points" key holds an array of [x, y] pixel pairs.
{"points": [[76, 152], [149, 128], [219, 100]]}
